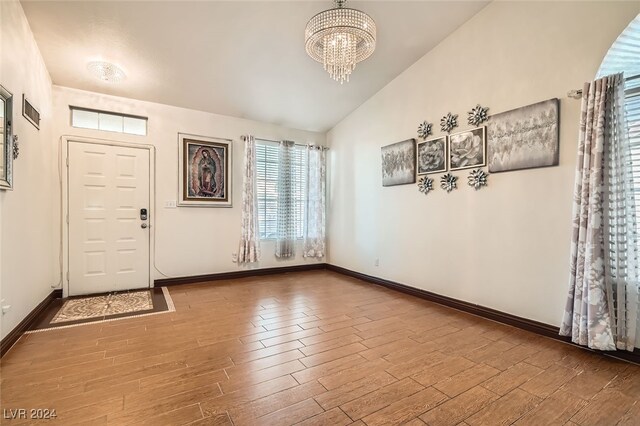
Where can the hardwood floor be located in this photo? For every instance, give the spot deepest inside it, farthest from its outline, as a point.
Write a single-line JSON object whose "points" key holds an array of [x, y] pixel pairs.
{"points": [[315, 348]]}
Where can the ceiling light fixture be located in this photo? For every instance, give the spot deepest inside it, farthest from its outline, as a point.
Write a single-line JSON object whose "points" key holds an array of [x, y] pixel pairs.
{"points": [[106, 71], [339, 38]]}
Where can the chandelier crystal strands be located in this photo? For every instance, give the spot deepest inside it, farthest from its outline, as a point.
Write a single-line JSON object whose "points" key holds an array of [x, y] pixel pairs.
{"points": [[339, 38]]}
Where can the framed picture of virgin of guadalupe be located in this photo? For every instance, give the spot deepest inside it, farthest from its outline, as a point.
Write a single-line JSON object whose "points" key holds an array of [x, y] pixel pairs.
{"points": [[205, 171]]}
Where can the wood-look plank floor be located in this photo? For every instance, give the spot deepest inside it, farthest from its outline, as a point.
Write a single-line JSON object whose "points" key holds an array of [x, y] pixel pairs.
{"points": [[312, 348]]}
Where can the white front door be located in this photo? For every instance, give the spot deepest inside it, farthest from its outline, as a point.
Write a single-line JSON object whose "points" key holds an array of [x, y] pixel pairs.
{"points": [[108, 237]]}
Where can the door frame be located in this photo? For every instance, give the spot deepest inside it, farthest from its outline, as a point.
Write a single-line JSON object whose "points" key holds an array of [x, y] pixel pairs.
{"points": [[64, 198]]}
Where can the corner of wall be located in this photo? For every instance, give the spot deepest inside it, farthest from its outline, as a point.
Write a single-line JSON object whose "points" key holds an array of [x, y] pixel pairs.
{"points": [[504, 247]]}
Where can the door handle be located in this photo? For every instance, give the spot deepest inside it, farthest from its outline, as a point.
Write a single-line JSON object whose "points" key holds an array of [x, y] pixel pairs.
{"points": [[144, 226]]}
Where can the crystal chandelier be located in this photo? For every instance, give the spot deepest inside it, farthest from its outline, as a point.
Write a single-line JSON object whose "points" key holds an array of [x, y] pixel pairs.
{"points": [[106, 71], [340, 38]]}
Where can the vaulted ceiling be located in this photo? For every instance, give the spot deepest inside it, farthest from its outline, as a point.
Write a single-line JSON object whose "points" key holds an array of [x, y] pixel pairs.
{"points": [[238, 58]]}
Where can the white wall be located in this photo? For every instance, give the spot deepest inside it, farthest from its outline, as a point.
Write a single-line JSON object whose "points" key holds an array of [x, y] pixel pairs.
{"points": [[506, 246], [189, 240], [27, 229]]}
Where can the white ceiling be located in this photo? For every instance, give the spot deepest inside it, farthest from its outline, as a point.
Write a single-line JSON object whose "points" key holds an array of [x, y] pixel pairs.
{"points": [[237, 58]]}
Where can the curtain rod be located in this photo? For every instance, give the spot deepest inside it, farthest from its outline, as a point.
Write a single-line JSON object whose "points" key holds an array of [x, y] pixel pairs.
{"points": [[577, 93], [295, 143]]}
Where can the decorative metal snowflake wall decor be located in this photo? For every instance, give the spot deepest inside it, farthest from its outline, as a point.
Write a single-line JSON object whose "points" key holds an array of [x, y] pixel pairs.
{"points": [[424, 130], [478, 179], [448, 182], [449, 122], [425, 185], [478, 115]]}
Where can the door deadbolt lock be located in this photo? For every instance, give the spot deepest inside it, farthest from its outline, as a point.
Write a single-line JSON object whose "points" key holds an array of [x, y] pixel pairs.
{"points": [[143, 214]]}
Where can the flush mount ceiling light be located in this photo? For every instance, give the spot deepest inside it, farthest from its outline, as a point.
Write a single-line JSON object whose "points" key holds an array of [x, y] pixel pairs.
{"points": [[339, 38], [106, 71]]}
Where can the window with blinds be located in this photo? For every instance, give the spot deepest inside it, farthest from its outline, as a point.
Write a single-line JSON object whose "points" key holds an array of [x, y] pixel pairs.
{"points": [[622, 57], [267, 186], [632, 105]]}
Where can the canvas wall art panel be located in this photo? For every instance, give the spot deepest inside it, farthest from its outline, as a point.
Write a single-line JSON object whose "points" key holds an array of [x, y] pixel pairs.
{"points": [[205, 171], [399, 163], [432, 156], [524, 138], [467, 149]]}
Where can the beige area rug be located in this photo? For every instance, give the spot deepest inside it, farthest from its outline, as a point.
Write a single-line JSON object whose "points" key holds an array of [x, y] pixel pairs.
{"points": [[101, 306]]}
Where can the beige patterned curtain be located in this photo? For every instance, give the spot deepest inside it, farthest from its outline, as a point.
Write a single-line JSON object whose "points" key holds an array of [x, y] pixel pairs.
{"points": [[315, 209], [602, 306], [249, 248]]}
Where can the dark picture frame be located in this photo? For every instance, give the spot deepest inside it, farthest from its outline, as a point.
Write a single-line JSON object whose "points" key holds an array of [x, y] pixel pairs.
{"points": [[468, 149], [205, 171], [431, 156]]}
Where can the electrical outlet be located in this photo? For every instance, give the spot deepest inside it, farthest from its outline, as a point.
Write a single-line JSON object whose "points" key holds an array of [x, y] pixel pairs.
{"points": [[5, 308], [376, 262], [234, 257], [170, 204]]}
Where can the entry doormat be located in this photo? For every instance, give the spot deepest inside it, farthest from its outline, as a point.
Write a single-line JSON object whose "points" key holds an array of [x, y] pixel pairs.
{"points": [[103, 306], [75, 311]]}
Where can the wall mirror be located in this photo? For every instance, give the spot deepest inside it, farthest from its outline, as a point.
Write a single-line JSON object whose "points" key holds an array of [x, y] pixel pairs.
{"points": [[6, 148]]}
